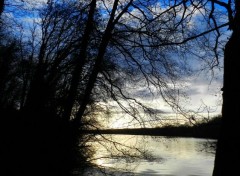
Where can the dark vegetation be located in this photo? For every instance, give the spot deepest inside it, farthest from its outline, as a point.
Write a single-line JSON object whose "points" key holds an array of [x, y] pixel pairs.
{"points": [[206, 129], [36, 137]]}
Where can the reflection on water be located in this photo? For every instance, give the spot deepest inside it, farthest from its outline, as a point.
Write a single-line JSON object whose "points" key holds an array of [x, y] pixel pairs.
{"points": [[145, 155]]}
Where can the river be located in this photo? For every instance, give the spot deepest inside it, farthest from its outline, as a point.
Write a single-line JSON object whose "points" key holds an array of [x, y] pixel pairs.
{"points": [[152, 156]]}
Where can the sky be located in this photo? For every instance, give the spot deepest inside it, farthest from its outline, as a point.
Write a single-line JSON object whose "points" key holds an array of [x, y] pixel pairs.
{"points": [[203, 90], [204, 101]]}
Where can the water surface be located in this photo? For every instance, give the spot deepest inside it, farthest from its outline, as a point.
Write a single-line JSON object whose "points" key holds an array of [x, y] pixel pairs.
{"points": [[158, 156]]}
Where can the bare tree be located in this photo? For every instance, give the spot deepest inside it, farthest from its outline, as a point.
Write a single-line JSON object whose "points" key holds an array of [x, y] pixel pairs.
{"points": [[79, 63], [59, 40], [146, 42], [145, 39]]}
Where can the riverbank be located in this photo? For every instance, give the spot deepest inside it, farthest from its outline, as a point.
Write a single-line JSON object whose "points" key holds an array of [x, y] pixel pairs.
{"points": [[208, 129]]}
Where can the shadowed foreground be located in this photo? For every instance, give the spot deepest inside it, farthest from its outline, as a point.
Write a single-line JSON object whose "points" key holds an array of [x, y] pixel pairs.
{"points": [[38, 148]]}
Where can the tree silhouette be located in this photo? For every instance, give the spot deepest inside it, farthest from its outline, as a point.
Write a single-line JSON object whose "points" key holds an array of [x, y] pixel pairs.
{"points": [[226, 162], [1, 6]]}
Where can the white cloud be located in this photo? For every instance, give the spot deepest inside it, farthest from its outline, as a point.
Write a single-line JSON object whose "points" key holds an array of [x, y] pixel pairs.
{"points": [[29, 4]]}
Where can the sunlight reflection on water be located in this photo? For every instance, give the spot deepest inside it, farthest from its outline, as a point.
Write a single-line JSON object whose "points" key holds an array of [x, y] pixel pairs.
{"points": [[162, 156]]}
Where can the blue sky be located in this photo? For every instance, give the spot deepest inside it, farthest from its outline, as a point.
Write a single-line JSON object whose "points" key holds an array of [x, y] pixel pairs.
{"points": [[203, 89]]}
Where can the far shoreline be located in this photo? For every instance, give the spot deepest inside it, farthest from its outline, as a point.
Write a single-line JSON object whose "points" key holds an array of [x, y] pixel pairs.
{"points": [[207, 130], [167, 132]]}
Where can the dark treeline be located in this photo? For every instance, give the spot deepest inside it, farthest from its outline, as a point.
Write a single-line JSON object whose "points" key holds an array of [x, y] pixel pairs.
{"points": [[207, 129]]}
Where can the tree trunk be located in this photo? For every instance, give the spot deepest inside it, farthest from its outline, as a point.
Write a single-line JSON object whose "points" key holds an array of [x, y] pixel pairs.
{"points": [[228, 147], [79, 64], [98, 63], [1, 6]]}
